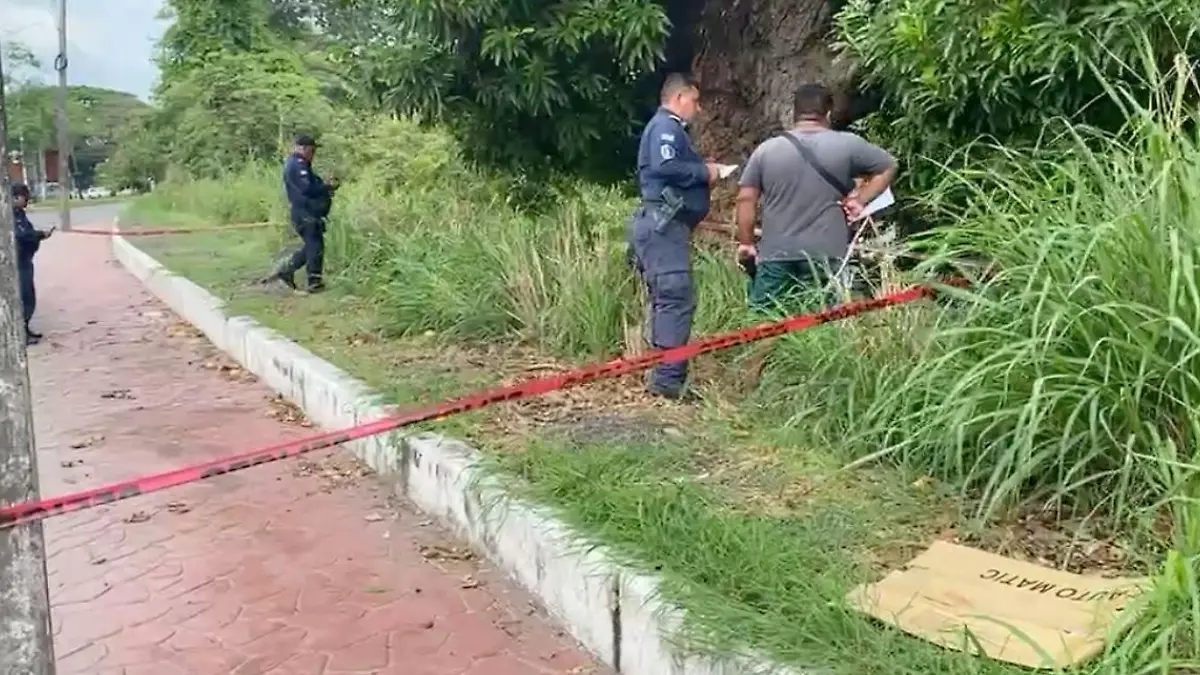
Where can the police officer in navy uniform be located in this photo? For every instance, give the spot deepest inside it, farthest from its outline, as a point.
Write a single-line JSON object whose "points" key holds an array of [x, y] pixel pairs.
{"points": [[675, 184], [28, 241], [309, 199]]}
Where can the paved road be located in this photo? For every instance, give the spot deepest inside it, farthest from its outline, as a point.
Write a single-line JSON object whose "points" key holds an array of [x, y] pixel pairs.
{"points": [[83, 216], [301, 568]]}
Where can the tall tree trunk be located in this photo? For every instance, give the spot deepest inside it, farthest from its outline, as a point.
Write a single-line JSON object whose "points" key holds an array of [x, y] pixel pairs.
{"points": [[750, 55]]}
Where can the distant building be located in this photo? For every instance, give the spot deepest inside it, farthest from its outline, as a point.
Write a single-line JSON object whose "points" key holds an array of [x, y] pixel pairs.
{"points": [[41, 177]]}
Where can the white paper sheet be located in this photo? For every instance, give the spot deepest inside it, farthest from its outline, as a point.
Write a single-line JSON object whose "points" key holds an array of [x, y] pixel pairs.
{"points": [[726, 170], [884, 200]]}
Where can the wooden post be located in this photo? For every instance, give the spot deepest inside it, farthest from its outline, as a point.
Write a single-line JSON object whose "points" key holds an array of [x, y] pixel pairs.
{"points": [[64, 137]]}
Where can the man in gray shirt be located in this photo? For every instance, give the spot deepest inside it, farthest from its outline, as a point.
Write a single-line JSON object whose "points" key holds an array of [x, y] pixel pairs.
{"points": [[804, 180]]}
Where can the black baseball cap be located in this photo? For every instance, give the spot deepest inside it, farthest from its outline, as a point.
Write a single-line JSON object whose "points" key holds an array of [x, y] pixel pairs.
{"points": [[20, 190], [306, 141]]}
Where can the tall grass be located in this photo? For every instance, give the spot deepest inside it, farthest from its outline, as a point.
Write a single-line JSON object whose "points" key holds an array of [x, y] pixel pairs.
{"points": [[1073, 372], [250, 194], [1065, 377], [1069, 380], [444, 247]]}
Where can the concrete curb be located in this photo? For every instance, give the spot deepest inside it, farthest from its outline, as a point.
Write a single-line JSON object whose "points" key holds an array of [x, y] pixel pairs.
{"points": [[612, 610]]}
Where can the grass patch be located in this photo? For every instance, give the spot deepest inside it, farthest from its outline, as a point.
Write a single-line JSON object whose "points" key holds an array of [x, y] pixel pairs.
{"points": [[1047, 413], [746, 577]]}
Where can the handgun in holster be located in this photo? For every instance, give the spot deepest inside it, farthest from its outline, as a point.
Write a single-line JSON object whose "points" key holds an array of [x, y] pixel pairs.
{"points": [[666, 210]]}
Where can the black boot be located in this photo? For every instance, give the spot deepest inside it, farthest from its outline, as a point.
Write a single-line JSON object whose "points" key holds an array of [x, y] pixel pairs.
{"points": [[31, 337], [681, 392], [287, 279], [282, 277]]}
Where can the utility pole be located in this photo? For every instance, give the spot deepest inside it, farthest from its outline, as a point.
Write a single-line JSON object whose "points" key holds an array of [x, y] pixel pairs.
{"points": [[24, 161], [26, 645], [64, 138]]}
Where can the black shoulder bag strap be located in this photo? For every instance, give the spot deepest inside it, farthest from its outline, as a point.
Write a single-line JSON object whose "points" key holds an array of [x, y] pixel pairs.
{"points": [[808, 156]]}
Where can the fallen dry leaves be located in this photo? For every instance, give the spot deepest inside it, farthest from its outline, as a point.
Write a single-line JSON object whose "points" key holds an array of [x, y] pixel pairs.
{"points": [[183, 329], [445, 552], [228, 370], [1071, 544], [86, 442], [335, 471], [283, 410]]}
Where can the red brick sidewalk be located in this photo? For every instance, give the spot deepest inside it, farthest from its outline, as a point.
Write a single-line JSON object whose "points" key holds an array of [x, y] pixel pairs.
{"points": [[297, 568]]}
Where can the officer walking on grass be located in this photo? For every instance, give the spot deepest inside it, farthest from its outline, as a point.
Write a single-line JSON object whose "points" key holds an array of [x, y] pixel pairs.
{"points": [[675, 184], [28, 241], [309, 200]]}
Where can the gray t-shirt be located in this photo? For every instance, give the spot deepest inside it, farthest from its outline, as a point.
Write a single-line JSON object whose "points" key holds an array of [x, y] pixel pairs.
{"points": [[800, 212]]}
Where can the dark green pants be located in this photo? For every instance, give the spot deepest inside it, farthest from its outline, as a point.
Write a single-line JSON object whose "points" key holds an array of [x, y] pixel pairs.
{"points": [[793, 285]]}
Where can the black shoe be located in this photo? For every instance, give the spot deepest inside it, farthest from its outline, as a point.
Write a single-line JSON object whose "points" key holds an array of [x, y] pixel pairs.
{"points": [[287, 279], [315, 287], [32, 338], [282, 277]]}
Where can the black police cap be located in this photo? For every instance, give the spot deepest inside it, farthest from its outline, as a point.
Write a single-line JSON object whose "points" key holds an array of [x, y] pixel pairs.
{"points": [[306, 141], [20, 190]]}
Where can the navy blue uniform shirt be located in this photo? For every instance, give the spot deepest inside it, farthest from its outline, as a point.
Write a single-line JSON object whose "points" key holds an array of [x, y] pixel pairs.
{"points": [[307, 194], [28, 238], [666, 158]]}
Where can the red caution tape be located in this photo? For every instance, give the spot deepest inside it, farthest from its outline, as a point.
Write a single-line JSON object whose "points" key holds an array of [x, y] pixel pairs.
{"points": [[25, 512], [165, 230]]}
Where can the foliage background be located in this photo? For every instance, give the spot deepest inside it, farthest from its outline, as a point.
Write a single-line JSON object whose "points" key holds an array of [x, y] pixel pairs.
{"points": [[536, 89], [95, 115], [952, 73]]}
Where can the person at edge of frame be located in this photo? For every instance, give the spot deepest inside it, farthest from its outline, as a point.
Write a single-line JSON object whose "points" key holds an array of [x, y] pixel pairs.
{"points": [[28, 240], [805, 181], [309, 199], [675, 185]]}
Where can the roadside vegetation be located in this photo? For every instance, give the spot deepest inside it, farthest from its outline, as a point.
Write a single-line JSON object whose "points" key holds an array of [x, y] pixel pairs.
{"points": [[95, 116], [1048, 412]]}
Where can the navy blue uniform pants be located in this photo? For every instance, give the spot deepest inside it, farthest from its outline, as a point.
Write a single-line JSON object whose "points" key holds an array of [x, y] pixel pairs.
{"points": [[310, 255], [661, 253], [27, 291]]}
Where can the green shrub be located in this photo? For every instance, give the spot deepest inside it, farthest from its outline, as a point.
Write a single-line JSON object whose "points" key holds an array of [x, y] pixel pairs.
{"points": [[951, 73], [250, 195], [527, 85]]}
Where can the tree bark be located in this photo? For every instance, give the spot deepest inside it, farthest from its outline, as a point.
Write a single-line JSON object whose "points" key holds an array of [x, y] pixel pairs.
{"points": [[750, 55], [26, 646]]}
